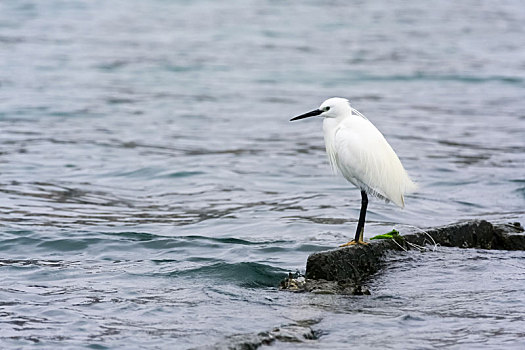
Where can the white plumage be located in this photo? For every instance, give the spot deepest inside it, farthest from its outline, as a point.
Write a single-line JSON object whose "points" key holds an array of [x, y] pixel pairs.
{"points": [[361, 154]]}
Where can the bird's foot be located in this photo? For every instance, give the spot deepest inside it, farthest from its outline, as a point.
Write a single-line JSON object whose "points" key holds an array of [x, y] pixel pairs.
{"points": [[353, 242]]}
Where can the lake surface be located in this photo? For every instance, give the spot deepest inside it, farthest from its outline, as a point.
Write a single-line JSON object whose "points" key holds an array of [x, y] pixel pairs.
{"points": [[153, 193]]}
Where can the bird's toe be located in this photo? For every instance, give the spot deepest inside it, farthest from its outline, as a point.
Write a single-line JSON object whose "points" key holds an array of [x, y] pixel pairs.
{"points": [[353, 242]]}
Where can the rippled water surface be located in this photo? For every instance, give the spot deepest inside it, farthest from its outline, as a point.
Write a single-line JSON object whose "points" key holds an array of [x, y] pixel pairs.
{"points": [[153, 193]]}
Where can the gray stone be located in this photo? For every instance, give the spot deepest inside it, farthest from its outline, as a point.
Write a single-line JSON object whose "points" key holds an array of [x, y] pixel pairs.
{"points": [[292, 333], [344, 270]]}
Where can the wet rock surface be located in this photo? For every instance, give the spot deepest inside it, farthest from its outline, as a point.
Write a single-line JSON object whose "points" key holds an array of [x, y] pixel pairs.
{"points": [[473, 234], [345, 270], [300, 332], [298, 283]]}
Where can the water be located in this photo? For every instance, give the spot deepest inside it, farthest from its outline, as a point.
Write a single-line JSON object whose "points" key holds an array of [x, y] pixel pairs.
{"points": [[153, 192]]}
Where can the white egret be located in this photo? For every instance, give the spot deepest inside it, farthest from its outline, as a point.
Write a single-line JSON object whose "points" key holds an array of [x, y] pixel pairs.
{"points": [[361, 154]]}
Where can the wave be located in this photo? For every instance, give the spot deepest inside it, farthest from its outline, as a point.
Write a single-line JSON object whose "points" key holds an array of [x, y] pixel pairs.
{"points": [[245, 274]]}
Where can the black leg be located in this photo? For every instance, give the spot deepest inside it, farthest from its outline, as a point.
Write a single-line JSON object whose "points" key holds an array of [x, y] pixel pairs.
{"points": [[362, 214]]}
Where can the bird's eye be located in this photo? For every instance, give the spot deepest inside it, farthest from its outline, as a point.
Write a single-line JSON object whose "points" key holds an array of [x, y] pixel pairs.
{"points": [[326, 109]]}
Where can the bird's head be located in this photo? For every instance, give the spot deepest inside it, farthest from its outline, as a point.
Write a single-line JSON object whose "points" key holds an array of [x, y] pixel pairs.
{"points": [[332, 108]]}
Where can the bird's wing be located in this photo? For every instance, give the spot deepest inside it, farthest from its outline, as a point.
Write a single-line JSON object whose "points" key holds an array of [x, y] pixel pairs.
{"points": [[365, 158]]}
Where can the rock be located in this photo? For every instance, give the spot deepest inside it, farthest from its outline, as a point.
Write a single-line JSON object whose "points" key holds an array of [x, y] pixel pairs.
{"points": [[292, 333], [509, 236], [350, 264], [470, 234], [344, 270], [298, 283]]}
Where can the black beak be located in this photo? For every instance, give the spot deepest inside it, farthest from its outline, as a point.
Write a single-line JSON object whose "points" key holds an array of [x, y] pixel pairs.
{"points": [[306, 115]]}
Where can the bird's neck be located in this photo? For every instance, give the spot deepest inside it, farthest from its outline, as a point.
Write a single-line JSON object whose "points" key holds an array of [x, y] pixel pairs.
{"points": [[329, 128], [329, 125]]}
